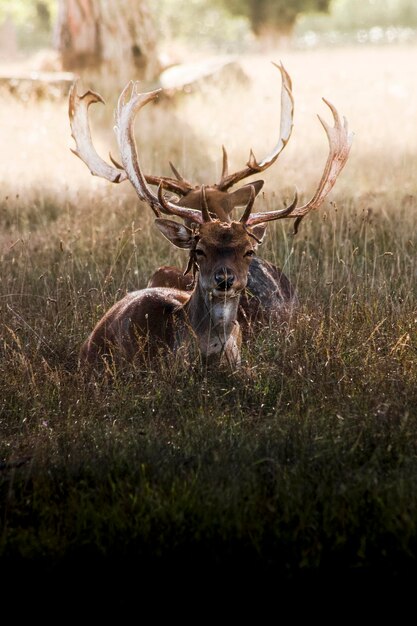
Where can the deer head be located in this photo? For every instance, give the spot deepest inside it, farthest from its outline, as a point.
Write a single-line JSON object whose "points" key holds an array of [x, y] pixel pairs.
{"points": [[220, 254], [220, 251]]}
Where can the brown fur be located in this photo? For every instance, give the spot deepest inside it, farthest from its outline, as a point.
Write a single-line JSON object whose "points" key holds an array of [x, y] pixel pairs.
{"points": [[162, 316], [170, 276], [131, 321], [268, 295]]}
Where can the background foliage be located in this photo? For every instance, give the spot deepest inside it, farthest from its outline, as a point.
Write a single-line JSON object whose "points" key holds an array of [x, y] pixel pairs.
{"points": [[228, 26]]}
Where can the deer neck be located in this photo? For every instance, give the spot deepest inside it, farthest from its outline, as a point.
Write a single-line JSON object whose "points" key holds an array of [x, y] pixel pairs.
{"points": [[214, 323]]}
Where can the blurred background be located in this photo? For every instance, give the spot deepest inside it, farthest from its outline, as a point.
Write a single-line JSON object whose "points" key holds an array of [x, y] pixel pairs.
{"points": [[213, 59], [160, 31], [81, 29]]}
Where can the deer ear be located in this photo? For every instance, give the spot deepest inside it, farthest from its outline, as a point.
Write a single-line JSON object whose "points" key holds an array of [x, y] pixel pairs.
{"points": [[176, 233], [259, 231], [241, 196]]}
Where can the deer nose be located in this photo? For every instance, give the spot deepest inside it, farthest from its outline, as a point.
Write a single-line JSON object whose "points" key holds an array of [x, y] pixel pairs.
{"points": [[224, 278]]}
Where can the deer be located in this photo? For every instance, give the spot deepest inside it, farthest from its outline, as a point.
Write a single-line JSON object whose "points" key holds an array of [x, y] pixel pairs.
{"points": [[211, 309]]}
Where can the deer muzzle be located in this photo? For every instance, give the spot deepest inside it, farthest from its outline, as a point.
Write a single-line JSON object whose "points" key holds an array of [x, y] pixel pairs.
{"points": [[224, 279]]}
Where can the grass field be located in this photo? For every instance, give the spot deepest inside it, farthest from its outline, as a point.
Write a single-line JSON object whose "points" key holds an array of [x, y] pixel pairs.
{"points": [[303, 463]]}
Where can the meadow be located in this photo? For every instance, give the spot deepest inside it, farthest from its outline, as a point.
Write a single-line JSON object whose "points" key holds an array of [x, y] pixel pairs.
{"points": [[302, 463]]}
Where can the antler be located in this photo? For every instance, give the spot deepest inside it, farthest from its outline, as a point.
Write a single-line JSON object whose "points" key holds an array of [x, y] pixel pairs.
{"points": [[339, 146], [286, 125], [80, 130], [78, 114], [340, 142], [126, 111]]}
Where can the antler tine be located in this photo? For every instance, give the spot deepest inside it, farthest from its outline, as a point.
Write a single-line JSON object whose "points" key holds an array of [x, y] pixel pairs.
{"points": [[253, 166], [125, 116], [115, 163], [80, 131], [204, 205], [186, 185], [164, 207], [225, 168], [171, 184], [340, 141], [178, 185], [249, 206], [267, 216]]}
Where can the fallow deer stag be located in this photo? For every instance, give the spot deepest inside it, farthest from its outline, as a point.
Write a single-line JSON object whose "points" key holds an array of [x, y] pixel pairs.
{"points": [[268, 290], [221, 250]]}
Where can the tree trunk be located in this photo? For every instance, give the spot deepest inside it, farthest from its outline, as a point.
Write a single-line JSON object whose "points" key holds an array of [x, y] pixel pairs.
{"points": [[115, 36], [273, 37]]}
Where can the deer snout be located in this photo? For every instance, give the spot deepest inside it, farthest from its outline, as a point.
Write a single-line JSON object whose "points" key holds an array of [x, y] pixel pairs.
{"points": [[224, 278]]}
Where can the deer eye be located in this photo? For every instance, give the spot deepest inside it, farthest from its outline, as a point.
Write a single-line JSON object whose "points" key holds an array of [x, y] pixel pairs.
{"points": [[199, 252], [250, 253]]}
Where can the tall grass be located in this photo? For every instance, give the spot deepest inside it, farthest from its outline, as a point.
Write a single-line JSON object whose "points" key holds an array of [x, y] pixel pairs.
{"points": [[303, 461]]}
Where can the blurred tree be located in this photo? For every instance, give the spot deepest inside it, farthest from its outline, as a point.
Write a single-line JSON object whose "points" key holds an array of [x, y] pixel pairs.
{"points": [[21, 10], [43, 14], [274, 17], [116, 36], [30, 20], [354, 14]]}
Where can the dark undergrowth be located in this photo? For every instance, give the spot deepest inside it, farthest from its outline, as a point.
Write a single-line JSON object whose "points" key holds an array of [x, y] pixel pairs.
{"points": [[302, 464]]}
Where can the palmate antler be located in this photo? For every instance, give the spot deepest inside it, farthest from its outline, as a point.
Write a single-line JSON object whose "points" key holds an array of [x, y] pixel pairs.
{"points": [[80, 130], [286, 125], [127, 108], [340, 142], [78, 114]]}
